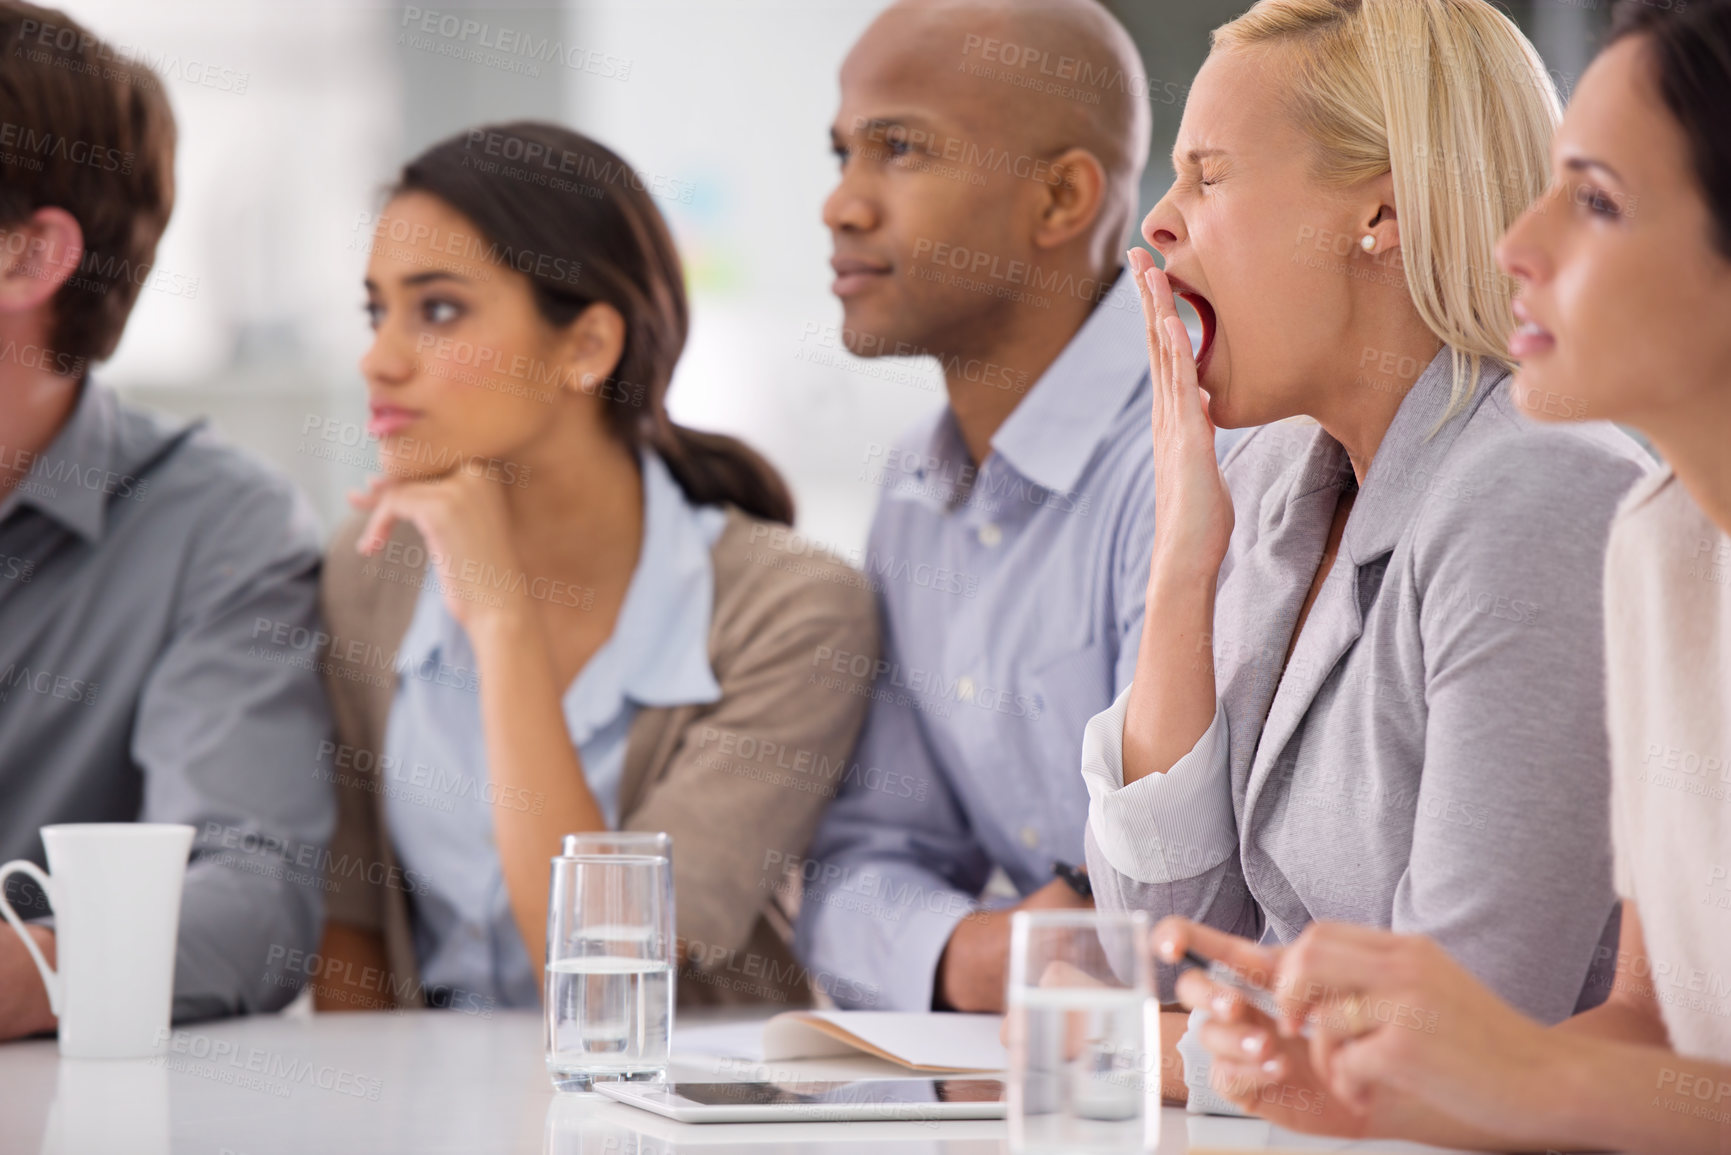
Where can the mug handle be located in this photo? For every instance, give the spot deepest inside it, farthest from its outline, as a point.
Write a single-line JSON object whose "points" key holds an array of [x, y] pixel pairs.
{"points": [[50, 977]]}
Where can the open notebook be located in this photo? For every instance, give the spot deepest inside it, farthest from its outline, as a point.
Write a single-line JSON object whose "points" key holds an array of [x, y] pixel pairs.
{"points": [[937, 1042]]}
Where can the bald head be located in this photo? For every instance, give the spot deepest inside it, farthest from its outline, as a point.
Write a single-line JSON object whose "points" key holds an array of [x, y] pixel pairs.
{"points": [[1041, 76], [990, 153]]}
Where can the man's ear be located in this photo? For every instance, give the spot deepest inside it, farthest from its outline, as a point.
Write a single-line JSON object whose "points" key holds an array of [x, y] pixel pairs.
{"points": [[1073, 196], [594, 342], [37, 255]]}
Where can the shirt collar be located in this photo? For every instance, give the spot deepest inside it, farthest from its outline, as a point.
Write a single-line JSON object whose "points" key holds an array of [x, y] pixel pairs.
{"points": [[58, 483], [1052, 435], [662, 635], [658, 653], [1410, 463]]}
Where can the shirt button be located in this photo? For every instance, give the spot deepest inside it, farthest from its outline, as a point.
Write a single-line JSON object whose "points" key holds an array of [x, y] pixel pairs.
{"points": [[991, 535], [965, 688], [1030, 837]]}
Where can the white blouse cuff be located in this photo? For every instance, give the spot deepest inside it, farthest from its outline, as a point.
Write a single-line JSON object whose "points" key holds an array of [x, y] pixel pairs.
{"points": [[1164, 827]]}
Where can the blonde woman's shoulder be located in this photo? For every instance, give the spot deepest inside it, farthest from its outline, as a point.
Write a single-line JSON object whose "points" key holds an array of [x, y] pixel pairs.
{"points": [[1502, 449]]}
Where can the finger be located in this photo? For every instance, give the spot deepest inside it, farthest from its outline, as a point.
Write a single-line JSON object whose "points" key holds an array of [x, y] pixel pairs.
{"points": [[1331, 961], [1181, 368], [1207, 399], [1245, 1042], [378, 526], [1194, 990], [1360, 1072], [1250, 1077], [396, 503], [1172, 936], [1258, 964], [1333, 1028], [1166, 310], [1164, 301], [1142, 264], [1160, 290], [1222, 1003], [1324, 1046], [1059, 973], [1238, 1083]]}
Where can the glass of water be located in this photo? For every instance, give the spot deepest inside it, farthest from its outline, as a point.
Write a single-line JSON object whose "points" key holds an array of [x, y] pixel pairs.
{"points": [[609, 974], [655, 843], [1084, 1033]]}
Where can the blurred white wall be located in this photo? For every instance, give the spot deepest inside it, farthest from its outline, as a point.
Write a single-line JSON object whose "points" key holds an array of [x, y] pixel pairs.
{"points": [[737, 97], [295, 113], [288, 121], [293, 117]]}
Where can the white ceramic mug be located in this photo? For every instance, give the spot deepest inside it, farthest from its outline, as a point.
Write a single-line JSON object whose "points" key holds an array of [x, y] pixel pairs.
{"points": [[109, 1108], [115, 889]]}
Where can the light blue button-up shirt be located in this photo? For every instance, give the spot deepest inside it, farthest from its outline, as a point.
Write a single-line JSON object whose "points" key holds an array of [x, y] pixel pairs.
{"points": [[438, 800], [1012, 598]]}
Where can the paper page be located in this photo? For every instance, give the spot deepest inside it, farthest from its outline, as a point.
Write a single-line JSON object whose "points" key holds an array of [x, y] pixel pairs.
{"points": [[921, 1041], [722, 1040]]}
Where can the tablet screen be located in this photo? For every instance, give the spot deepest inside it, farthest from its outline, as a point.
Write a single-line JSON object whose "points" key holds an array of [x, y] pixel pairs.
{"points": [[860, 1091]]}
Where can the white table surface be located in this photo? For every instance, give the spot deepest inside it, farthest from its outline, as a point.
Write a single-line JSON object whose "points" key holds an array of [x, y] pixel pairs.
{"points": [[431, 1082]]}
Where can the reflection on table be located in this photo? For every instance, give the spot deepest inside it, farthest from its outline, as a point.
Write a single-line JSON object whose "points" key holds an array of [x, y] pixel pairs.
{"points": [[445, 1081]]}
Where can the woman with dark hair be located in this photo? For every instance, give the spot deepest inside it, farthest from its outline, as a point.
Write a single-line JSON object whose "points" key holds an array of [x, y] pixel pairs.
{"points": [[556, 610], [1624, 313]]}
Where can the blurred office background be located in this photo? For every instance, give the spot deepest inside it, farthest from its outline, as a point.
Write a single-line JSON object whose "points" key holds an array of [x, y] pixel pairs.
{"points": [[294, 114]]}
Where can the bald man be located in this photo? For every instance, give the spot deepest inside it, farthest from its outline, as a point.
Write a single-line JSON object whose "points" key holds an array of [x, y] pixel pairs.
{"points": [[990, 157]]}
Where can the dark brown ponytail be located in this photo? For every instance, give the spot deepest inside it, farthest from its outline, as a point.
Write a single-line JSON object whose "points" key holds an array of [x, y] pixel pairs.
{"points": [[578, 221]]}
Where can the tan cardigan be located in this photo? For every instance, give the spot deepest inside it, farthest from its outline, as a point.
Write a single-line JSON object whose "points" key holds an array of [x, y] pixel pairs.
{"points": [[739, 783]]}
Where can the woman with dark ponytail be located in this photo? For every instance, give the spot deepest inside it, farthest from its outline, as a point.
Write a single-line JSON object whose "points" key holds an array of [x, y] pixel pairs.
{"points": [[556, 610]]}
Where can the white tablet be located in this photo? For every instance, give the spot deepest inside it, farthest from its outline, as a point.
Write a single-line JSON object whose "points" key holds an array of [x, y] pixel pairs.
{"points": [[882, 1100]]}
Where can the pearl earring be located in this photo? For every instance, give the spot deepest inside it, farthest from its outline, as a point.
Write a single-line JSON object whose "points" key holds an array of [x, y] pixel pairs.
{"points": [[1367, 243]]}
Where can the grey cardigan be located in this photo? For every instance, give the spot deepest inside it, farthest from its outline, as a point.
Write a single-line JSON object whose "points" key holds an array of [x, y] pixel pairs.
{"points": [[1434, 757]]}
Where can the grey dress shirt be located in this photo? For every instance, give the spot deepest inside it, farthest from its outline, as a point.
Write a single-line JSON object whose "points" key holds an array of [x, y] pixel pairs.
{"points": [[157, 622], [1433, 759]]}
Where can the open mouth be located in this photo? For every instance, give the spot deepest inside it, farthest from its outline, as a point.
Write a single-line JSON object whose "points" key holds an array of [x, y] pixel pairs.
{"points": [[1205, 312]]}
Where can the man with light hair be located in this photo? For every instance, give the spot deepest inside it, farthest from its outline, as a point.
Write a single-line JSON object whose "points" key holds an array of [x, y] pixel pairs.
{"points": [[149, 576]]}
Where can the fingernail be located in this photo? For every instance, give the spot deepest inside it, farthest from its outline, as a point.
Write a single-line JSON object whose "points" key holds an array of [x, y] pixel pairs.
{"points": [[1253, 1043], [1222, 1004], [1272, 1067]]}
